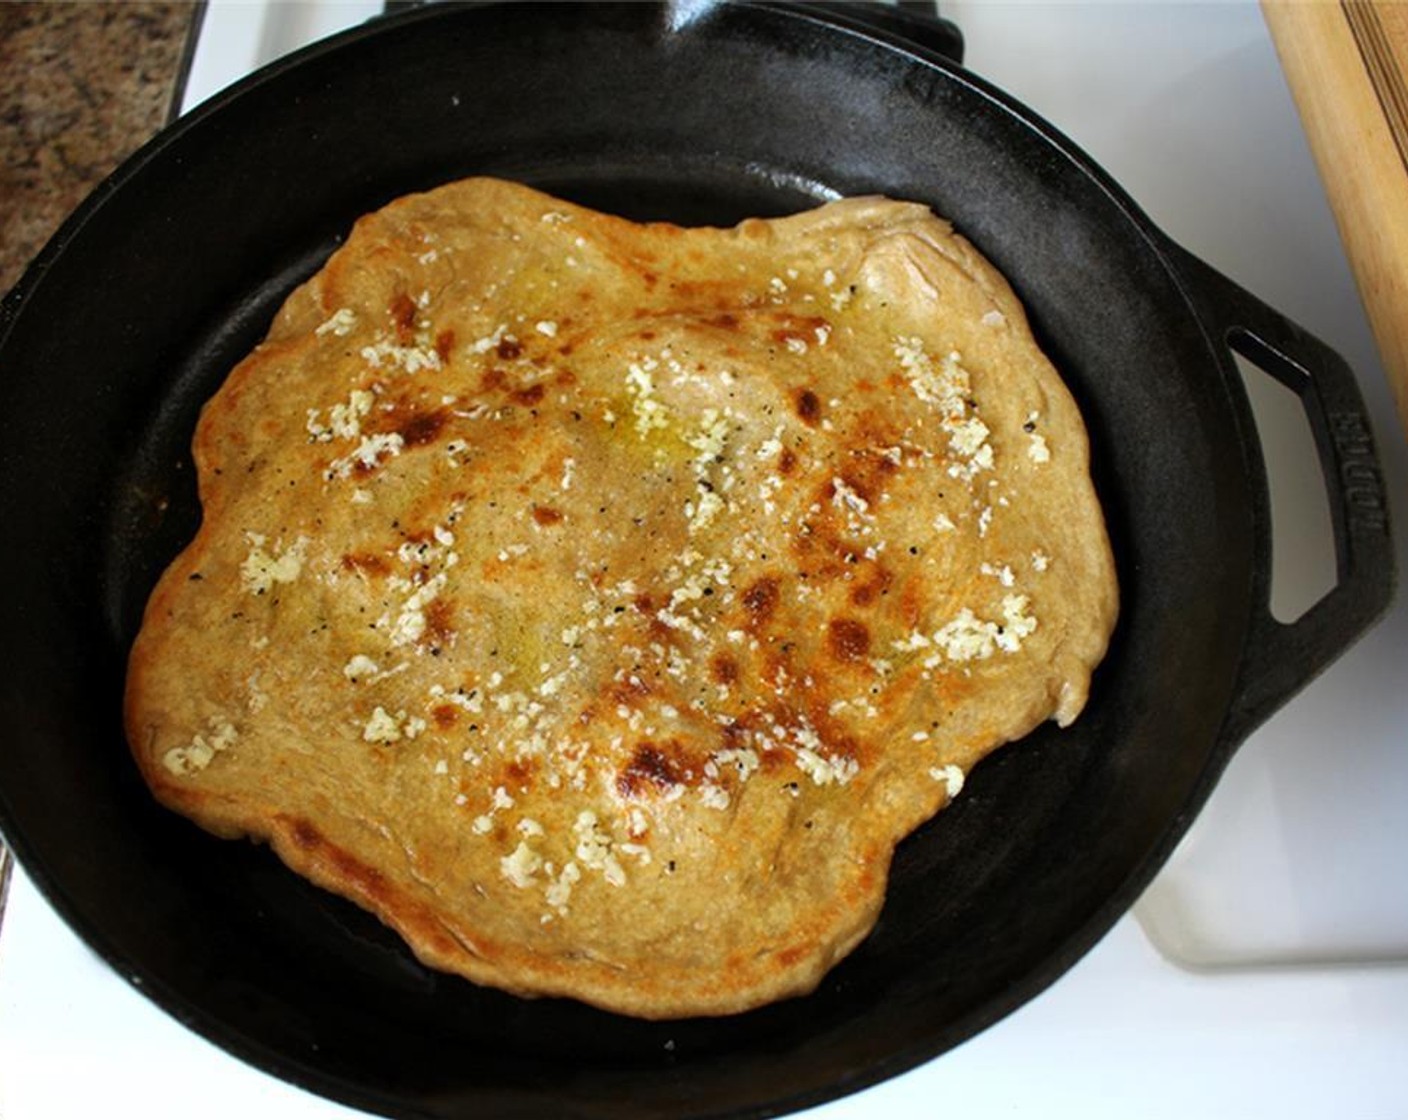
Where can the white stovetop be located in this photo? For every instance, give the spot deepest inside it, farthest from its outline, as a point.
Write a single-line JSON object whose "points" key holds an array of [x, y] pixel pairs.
{"points": [[1288, 893]]}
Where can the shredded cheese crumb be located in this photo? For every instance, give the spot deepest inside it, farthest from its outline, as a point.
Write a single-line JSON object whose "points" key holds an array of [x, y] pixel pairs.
{"points": [[368, 454], [522, 866], [947, 387], [594, 848], [202, 749], [360, 666], [261, 569], [1017, 623], [713, 797], [340, 324], [966, 637], [490, 341], [344, 420], [560, 890], [409, 359], [951, 776], [649, 412], [383, 727]]}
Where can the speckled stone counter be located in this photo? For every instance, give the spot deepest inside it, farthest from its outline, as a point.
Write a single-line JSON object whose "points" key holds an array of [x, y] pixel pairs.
{"points": [[82, 85]]}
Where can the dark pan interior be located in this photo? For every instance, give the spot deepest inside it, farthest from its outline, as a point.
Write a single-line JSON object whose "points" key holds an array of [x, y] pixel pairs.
{"points": [[138, 310]]}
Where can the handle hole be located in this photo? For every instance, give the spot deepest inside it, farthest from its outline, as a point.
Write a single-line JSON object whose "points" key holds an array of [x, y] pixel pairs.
{"points": [[1303, 568]]}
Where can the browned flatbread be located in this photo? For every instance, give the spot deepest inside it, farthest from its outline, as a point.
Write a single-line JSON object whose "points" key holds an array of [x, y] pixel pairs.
{"points": [[600, 603]]}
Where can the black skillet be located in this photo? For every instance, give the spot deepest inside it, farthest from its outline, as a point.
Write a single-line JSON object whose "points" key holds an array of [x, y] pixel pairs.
{"points": [[172, 270]]}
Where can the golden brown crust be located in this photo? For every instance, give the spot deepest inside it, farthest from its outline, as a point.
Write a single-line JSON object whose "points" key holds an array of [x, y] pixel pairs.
{"points": [[599, 604]]}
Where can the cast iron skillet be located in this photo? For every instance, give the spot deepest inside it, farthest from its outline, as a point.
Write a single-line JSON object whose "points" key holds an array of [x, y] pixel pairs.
{"points": [[172, 270]]}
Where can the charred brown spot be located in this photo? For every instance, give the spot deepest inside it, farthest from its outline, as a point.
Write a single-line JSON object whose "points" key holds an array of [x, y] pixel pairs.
{"points": [[661, 634], [519, 772], [305, 835], [802, 326], [354, 873], [847, 639], [760, 599], [789, 956], [546, 515], [445, 716], [734, 734], [508, 349], [439, 618], [649, 765], [531, 395], [786, 461], [643, 603], [626, 691], [403, 314], [444, 344], [493, 379], [723, 668], [367, 563], [808, 406], [772, 759], [878, 584], [364, 878], [726, 321], [856, 484], [911, 607], [422, 428], [648, 336]]}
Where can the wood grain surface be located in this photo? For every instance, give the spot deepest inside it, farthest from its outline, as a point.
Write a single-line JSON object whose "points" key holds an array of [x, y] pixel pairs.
{"points": [[1345, 62]]}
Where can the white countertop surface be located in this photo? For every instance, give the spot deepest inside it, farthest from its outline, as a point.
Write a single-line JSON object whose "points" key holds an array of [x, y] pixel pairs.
{"points": [[1289, 885]]}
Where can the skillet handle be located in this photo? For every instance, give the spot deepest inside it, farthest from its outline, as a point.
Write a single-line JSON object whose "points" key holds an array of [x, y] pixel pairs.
{"points": [[1282, 658]]}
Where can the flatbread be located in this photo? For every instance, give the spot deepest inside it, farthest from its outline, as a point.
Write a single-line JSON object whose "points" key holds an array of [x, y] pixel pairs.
{"points": [[600, 603]]}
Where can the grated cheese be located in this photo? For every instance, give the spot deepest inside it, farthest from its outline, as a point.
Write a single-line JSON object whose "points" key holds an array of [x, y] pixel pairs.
{"points": [[341, 323], [344, 420], [196, 755], [594, 848], [261, 569], [359, 666], [649, 412], [383, 727], [408, 359], [521, 866], [368, 454], [951, 776]]}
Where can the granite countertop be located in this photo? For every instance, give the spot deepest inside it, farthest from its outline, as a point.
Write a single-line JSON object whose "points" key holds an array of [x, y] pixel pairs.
{"points": [[82, 86]]}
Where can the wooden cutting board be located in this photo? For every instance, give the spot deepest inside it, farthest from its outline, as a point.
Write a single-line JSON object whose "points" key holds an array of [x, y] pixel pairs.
{"points": [[1347, 65]]}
